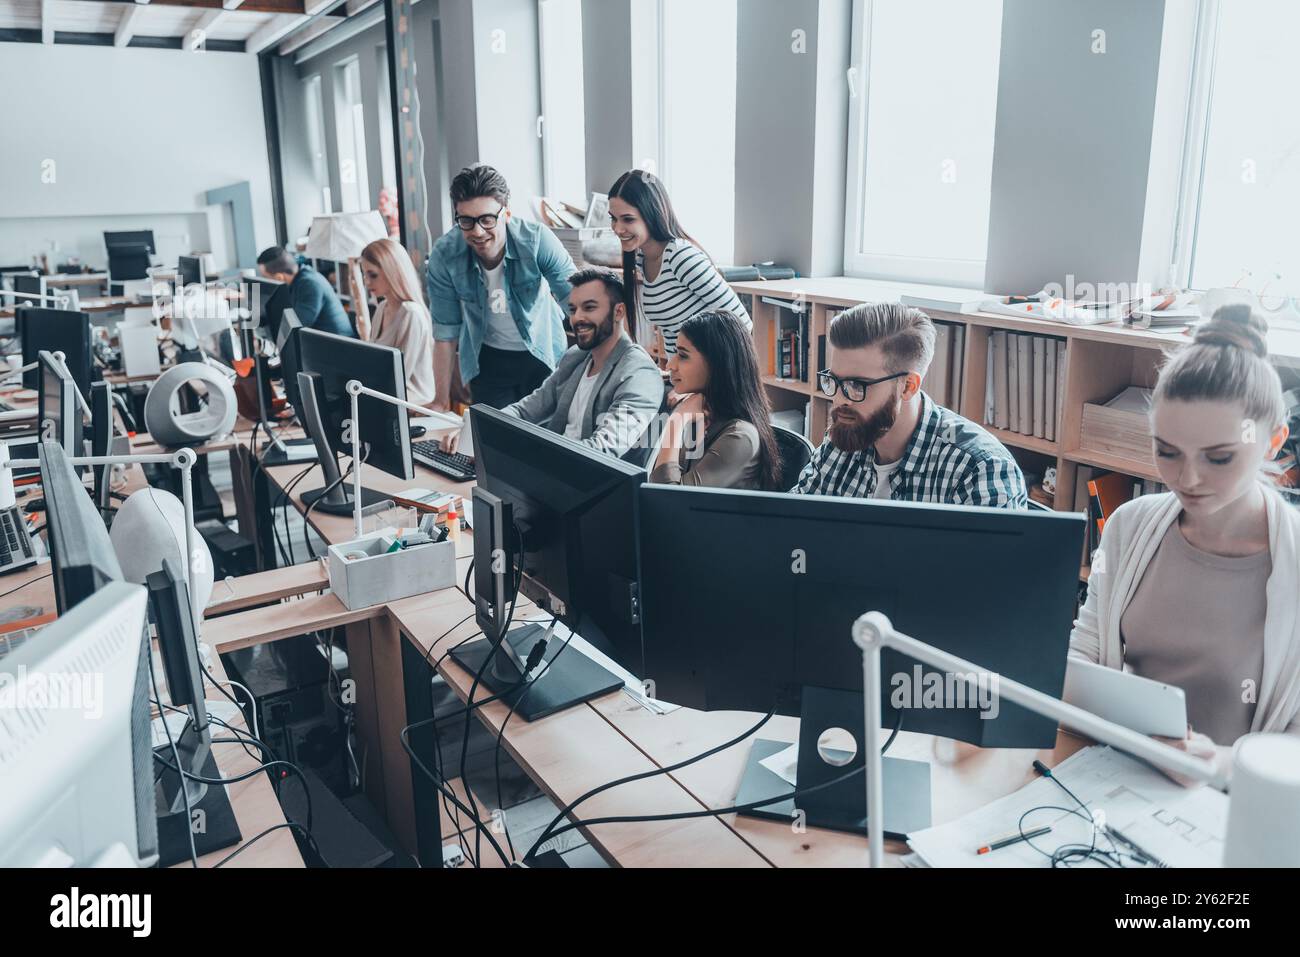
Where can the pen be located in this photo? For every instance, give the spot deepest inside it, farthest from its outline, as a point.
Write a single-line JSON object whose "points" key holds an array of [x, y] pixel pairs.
{"points": [[1014, 838], [1145, 855]]}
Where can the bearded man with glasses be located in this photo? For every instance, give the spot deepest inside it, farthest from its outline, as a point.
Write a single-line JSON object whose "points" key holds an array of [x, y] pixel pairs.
{"points": [[888, 439], [498, 293]]}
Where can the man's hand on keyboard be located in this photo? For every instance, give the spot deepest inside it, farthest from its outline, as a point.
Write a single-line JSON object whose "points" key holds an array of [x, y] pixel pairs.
{"points": [[451, 442]]}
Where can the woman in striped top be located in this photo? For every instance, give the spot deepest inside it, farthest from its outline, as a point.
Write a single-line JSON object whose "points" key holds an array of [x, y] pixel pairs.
{"points": [[668, 278]]}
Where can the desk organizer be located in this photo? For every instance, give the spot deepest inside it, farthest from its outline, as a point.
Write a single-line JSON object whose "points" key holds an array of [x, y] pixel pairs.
{"points": [[365, 573]]}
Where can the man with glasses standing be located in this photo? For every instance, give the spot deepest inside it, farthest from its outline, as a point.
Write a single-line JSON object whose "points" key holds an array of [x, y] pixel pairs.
{"points": [[498, 288], [888, 439]]}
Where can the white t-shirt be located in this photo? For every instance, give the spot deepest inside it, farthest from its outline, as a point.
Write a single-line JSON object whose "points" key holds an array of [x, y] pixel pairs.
{"points": [[581, 402], [501, 333], [883, 474]]}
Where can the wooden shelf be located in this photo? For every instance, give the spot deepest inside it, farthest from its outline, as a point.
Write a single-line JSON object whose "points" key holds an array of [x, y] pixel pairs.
{"points": [[790, 385], [1115, 463], [1030, 442]]}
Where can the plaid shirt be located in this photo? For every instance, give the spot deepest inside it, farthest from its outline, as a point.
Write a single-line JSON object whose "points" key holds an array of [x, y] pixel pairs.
{"points": [[950, 461]]}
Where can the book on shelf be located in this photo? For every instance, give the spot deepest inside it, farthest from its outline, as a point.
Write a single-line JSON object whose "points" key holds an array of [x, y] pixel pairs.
{"points": [[1025, 384], [790, 346], [1099, 492], [935, 383], [1001, 384], [1039, 385], [956, 367]]}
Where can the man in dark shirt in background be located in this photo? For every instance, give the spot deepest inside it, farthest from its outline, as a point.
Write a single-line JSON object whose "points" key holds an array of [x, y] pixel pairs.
{"points": [[311, 297]]}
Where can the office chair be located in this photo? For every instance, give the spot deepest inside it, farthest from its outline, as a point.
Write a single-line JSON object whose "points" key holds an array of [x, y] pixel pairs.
{"points": [[796, 453]]}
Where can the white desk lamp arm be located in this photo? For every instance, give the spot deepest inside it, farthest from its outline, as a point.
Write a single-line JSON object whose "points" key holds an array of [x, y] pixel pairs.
{"points": [[182, 459], [874, 632], [356, 390], [61, 300]]}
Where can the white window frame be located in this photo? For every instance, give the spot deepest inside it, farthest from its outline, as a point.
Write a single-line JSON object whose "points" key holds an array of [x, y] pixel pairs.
{"points": [[553, 176], [964, 273]]}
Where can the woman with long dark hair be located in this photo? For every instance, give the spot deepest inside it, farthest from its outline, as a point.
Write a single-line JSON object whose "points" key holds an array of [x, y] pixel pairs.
{"points": [[720, 434], [668, 277]]}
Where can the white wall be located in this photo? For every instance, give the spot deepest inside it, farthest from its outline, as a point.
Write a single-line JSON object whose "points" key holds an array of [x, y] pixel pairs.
{"points": [[136, 137]]}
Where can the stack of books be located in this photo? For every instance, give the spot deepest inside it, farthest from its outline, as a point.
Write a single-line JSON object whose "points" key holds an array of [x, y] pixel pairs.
{"points": [[1121, 427], [1024, 384], [790, 356], [946, 378]]}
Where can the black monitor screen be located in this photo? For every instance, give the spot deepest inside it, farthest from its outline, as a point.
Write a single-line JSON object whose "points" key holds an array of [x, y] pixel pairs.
{"points": [[190, 271], [56, 330], [81, 552], [575, 512], [748, 597], [132, 237], [385, 428]]}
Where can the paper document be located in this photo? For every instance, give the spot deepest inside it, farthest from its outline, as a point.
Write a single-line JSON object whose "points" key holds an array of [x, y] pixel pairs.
{"points": [[1183, 827]]}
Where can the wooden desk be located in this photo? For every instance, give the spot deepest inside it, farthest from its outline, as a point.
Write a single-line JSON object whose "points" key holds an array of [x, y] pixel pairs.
{"points": [[618, 737], [101, 304], [255, 804]]}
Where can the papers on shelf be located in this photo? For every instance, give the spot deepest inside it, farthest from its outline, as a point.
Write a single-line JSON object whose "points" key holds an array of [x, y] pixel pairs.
{"points": [[1183, 827]]}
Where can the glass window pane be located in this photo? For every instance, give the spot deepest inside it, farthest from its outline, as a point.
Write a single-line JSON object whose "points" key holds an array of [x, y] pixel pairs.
{"points": [[931, 113], [1246, 232]]}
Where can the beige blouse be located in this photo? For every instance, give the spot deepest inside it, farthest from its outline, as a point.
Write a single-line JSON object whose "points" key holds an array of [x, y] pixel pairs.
{"points": [[729, 458], [408, 328]]}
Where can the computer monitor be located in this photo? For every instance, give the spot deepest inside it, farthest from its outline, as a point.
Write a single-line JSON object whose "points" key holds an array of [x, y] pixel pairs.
{"points": [[749, 598], [57, 330], [561, 519], [189, 271], [328, 363], [101, 438], [79, 769], [81, 554], [29, 286], [130, 237], [58, 412]]}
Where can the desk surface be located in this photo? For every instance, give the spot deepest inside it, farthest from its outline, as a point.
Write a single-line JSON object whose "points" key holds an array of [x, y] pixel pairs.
{"points": [[619, 738], [255, 804]]}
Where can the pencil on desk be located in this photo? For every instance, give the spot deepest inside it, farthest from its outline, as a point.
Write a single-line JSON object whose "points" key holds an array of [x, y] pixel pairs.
{"points": [[1013, 838]]}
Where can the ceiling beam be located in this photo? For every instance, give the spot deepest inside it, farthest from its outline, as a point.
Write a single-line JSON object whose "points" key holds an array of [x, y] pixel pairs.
{"points": [[251, 6], [126, 24], [316, 28], [273, 31], [47, 22], [198, 35], [231, 4]]}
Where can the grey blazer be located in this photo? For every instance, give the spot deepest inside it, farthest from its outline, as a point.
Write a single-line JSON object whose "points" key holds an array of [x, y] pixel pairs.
{"points": [[628, 394]]}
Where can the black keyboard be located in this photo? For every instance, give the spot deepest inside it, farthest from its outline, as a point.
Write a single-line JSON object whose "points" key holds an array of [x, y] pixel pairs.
{"points": [[454, 466], [16, 550]]}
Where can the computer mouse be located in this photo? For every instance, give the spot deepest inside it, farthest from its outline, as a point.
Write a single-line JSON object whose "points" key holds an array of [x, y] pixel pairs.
{"points": [[35, 505], [418, 431]]}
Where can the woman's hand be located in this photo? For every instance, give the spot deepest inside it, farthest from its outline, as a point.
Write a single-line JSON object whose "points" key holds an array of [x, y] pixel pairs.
{"points": [[1198, 746], [687, 405]]}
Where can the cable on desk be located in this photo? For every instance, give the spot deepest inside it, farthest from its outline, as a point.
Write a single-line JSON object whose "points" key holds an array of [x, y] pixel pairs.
{"points": [[257, 837], [25, 584], [306, 527], [189, 809], [281, 501], [551, 831]]}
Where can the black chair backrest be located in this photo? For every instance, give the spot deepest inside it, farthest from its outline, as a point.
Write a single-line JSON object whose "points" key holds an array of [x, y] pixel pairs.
{"points": [[796, 453]]}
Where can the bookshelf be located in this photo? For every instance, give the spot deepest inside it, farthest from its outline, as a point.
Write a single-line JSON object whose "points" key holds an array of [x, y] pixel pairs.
{"points": [[1100, 362]]}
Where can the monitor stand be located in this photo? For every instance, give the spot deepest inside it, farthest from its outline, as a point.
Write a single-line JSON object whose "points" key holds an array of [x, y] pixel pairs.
{"points": [[213, 823], [575, 678], [293, 452], [842, 807], [340, 500]]}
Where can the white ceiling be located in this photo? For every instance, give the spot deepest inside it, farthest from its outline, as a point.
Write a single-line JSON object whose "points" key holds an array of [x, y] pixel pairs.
{"points": [[149, 19]]}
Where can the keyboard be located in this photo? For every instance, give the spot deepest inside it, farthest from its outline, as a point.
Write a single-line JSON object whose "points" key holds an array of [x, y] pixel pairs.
{"points": [[16, 550], [453, 465]]}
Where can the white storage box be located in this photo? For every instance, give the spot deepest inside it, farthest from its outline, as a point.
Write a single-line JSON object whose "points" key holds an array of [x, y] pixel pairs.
{"points": [[364, 573]]}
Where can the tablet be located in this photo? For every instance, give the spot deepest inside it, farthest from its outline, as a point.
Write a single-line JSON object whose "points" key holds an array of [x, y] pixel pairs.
{"points": [[1140, 704]]}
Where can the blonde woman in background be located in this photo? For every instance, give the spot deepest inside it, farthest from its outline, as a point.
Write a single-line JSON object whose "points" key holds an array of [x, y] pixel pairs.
{"points": [[1200, 587], [401, 320]]}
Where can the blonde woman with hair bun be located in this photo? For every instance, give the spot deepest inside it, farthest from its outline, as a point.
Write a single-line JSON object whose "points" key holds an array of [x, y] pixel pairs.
{"points": [[1199, 587], [401, 320]]}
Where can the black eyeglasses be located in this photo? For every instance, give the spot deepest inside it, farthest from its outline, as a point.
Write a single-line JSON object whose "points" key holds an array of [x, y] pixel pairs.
{"points": [[467, 223], [855, 390]]}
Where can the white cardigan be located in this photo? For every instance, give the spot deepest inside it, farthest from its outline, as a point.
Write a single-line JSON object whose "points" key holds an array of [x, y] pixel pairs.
{"points": [[1129, 542]]}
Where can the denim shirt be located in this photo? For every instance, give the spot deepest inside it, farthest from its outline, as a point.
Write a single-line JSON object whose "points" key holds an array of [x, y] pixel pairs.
{"points": [[458, 293]]}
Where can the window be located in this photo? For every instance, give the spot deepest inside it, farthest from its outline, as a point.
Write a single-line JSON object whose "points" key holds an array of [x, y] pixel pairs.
{"points": [[924, 112], [315, 118], [564, 144], [350, 128], [1246, 186], [697, 138]]}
